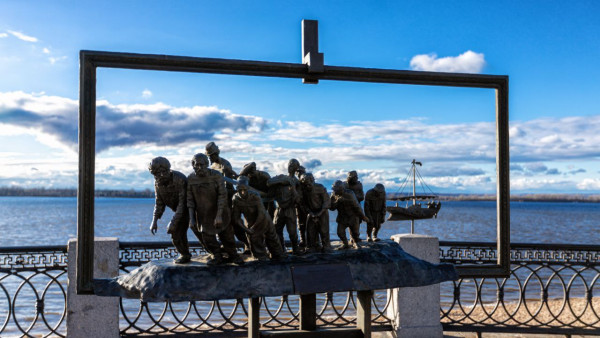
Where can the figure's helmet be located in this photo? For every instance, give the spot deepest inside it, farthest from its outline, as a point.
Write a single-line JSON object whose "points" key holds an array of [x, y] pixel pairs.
{"points": [[294, 164], [199, 158], [159, 162], [249, 168], [243, 182], [211, 148], [338, 186], [379, 188], [307, 178]]}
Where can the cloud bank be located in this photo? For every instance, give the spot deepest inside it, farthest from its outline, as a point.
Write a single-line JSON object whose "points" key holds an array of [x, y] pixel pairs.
{"points": [[544, 152], [123, 125], [467, 62]]}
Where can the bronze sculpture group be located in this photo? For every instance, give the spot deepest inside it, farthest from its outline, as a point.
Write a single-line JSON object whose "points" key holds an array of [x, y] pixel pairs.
{"points": [[207, 202]]}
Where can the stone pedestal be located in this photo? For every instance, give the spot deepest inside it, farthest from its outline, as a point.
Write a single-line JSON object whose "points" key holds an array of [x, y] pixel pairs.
{"points": [[91, 316], [416, 310]]}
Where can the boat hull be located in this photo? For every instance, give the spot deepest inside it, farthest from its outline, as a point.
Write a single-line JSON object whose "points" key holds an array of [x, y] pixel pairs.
{"points": [[413, 212]]}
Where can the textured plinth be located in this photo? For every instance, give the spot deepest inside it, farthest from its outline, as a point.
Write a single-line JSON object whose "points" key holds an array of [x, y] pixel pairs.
{"points": [[415, 311], [88, 315], [379, 265]]}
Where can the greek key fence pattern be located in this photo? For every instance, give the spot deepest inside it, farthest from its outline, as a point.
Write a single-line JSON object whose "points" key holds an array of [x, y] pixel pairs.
{"points": [[551, 289]]}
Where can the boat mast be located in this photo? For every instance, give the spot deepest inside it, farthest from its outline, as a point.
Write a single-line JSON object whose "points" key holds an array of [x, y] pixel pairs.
{"points": [[412, 221]]}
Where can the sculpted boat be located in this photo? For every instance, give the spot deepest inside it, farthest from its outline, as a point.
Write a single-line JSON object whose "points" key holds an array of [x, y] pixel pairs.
{"points": [[417, 210]]}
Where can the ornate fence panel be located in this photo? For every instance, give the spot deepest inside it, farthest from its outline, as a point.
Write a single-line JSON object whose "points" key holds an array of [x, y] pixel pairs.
{"points": [[33, 296], [552, 289]]}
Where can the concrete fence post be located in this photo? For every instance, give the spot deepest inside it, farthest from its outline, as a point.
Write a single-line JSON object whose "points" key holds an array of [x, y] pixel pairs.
{"points": [[91, 316], [416, 311]]}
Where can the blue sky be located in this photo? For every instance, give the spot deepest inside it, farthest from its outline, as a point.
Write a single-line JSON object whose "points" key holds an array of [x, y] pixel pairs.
{"points": [[549, 50]]}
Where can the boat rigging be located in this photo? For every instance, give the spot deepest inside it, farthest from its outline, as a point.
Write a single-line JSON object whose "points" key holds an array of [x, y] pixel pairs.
{"points": [[415, 211]]}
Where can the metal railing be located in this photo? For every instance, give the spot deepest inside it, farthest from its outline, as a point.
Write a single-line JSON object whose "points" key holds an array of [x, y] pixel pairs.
{"points": [[33, 296], [552, 289]]}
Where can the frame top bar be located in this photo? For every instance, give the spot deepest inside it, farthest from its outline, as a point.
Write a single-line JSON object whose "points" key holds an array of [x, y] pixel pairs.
{"points": [[288, 70]]}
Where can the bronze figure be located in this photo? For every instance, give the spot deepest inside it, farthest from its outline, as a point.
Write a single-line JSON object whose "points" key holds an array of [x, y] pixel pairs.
{"points": [[224, 167], [209, 210], [316, 202], [287, 195], [258, 179], [170, 189], [349, 214], [301, 211], [258, 220], [356, 186], [375, 208]]}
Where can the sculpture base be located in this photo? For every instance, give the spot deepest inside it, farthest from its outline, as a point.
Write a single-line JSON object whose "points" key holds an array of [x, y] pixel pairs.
{"points": [[376, 266]]}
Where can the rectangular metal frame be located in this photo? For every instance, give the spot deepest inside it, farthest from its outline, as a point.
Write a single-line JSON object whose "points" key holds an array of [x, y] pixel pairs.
{"points": [[91, 60]]}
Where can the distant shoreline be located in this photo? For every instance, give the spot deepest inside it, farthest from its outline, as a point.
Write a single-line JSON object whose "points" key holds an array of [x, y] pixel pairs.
{"points": [[592, 198], [147, 193], [71, 192]]}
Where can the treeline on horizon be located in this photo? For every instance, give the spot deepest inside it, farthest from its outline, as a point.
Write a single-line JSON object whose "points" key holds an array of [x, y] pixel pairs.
{"points": [[147, 193], [540, 197], [72, 192]]}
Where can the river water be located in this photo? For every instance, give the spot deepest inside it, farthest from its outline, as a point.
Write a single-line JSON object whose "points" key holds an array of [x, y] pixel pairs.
{"points": [[35, 221], [52, 220]]}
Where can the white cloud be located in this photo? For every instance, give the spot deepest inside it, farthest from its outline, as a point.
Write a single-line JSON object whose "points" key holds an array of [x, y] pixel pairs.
{"points": [[589, 184], [22, 36], [146, 93], [467, 62], [3, 35], [480, 182], [54, 60], [46, 50], [551, 139], [531, 184]]}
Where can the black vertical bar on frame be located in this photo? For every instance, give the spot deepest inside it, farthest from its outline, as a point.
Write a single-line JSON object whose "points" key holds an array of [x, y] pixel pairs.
{"points": [[85, 191], [310, 37], [503, 170]]}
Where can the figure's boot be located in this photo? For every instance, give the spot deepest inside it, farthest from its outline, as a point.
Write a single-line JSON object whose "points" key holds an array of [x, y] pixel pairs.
{"points": [[183, 249], [303, 243], [369, 230], [296, 250], [235, 258], [279, 256], [375, 238], [182, 259], [216, 259], [344, 245]]}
